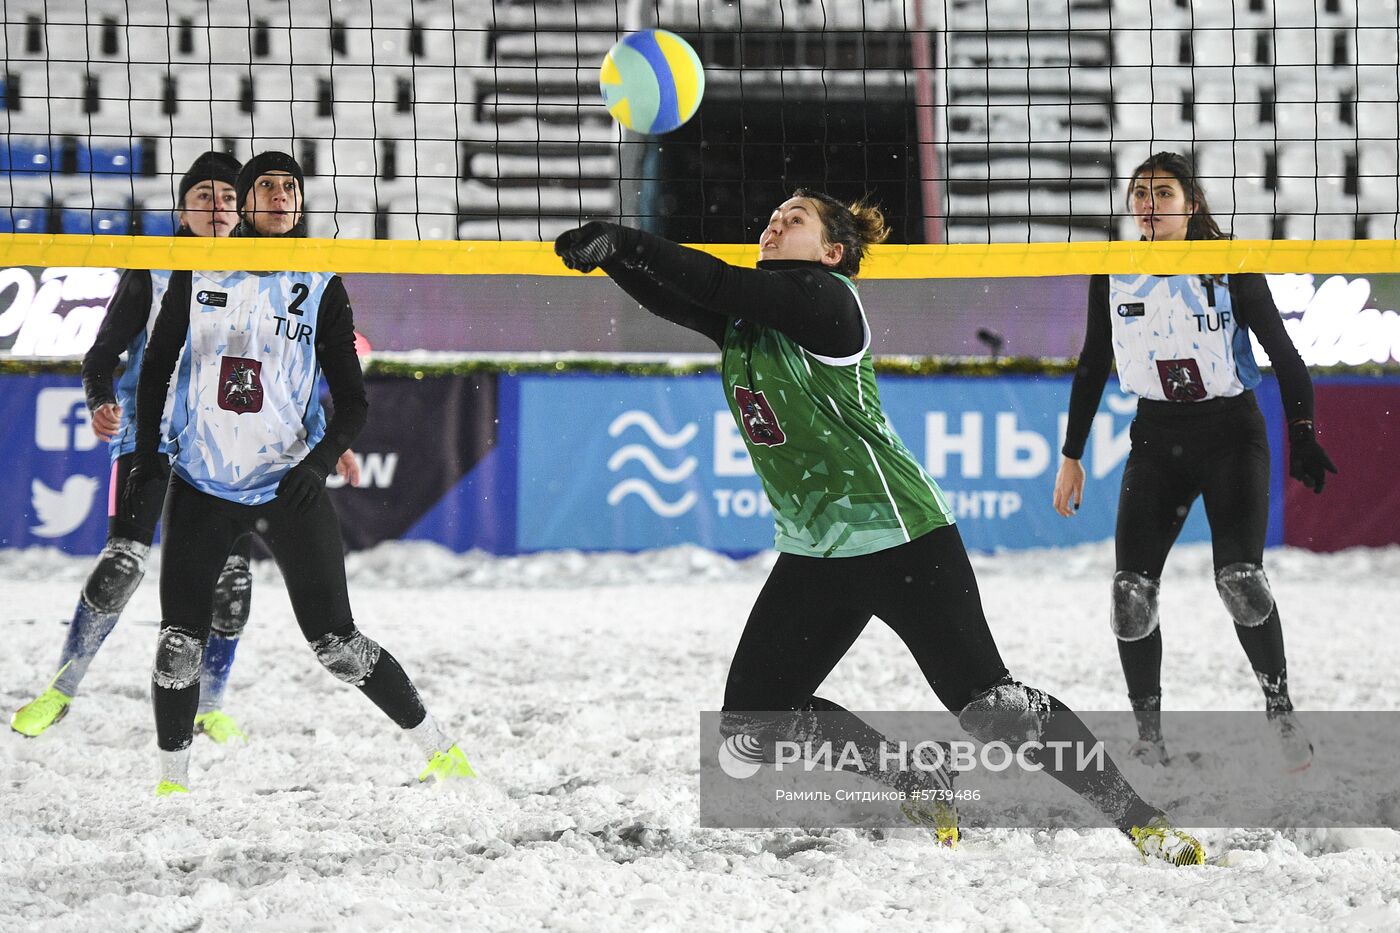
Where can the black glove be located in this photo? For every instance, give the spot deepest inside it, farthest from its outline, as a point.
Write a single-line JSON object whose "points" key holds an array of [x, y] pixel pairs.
{"points": [[144, 477], [585, 248], [1308, 463], [301, 485]]}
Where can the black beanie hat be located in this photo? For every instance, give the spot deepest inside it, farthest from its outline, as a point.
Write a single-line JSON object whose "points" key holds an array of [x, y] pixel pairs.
{"points": [[212, 166], [261, 164]]}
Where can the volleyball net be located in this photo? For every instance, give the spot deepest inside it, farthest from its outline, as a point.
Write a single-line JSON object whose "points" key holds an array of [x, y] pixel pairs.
{"points": [[459, 137]]}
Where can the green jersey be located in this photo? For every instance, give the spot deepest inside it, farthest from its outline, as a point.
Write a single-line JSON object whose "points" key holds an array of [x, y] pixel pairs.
{"points": [[840, 481]]}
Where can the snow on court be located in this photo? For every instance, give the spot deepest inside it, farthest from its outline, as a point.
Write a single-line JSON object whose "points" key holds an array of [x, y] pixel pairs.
{"points": [[574, 683]]}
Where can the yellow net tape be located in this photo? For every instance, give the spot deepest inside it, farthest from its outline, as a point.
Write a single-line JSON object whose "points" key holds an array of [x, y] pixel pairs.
{"points": [[483, 257]]}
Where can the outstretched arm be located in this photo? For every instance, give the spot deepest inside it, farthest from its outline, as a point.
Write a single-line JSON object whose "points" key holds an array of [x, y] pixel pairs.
{"points": [[652, 294], [808, 304]]}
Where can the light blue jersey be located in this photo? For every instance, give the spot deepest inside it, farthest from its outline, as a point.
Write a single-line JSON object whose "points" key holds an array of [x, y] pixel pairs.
{"points": [[124, 442], [1177, 338], [246, 407]]}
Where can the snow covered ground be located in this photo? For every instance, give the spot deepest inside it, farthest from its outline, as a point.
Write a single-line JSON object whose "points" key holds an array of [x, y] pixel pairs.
{"points": [[574, 683]]}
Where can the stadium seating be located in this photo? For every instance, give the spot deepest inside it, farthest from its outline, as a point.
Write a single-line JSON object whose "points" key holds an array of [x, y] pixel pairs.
{"points": [[492, 104]]}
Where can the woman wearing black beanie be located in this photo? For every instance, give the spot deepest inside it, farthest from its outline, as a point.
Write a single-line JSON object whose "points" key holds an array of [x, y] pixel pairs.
{"points": [[250, 452], [271, 195], [207, 207]]}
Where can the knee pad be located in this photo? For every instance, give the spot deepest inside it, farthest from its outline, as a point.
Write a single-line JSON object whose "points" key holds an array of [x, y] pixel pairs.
{"points": [[117, 575], [348, 654], [1245, 592], [1008, 711], [179, 655], [1134, 614], [233, 597]]}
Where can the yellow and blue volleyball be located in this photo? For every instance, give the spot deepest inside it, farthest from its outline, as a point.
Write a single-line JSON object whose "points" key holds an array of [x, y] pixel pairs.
{"points": [[652, 81]]}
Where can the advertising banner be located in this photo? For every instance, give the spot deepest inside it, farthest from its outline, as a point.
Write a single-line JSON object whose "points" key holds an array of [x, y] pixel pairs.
{"points": [[513, 464], [1359, 426], [1347, 319], [56, 470], [427, 457], [428, 462], [616, 462]]}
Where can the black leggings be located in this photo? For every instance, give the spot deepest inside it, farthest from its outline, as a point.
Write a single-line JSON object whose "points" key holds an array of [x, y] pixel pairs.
{"points": [[1216, 450], [199, 531], [812, 609]]}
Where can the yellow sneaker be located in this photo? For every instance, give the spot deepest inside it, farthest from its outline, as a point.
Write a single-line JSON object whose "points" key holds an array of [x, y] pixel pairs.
{"points": [[167, 788], [447, 765], [938, 816], [1159, 840], [38, 714], [219, 726]]}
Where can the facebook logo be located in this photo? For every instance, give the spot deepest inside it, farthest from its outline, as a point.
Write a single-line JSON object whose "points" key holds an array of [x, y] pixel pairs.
{"points": [[62, 421]]}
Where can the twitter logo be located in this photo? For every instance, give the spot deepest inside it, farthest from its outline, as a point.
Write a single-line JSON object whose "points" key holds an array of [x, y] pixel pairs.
{"points": [[62, 511]]}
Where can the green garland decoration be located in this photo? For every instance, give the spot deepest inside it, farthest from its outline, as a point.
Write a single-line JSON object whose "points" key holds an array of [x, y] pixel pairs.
{"points": [[889, 365]]}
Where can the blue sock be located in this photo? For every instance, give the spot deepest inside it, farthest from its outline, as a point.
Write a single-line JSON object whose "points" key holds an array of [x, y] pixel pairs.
{"points": [[218, 659], [86, 634]]}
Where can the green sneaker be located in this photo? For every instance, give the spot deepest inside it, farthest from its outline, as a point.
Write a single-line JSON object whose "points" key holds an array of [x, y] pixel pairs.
{"points": [[1160, 840], [219, 726], [447, 765], [38, 714], [167, 788]]}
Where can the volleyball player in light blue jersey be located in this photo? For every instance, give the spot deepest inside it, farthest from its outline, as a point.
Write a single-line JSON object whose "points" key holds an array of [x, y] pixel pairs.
{"points": [[1181, 343], [251, 450], [206, 208], [235, 364]]}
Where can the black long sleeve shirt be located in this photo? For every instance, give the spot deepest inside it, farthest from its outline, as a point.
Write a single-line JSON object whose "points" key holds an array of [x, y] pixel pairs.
{"points": [[700, 292], [335, 352], [127, 314], [1254, 309]]}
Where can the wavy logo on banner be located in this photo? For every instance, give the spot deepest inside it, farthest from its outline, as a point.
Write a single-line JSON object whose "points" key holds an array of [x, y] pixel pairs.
{"points": [[660, 472]]}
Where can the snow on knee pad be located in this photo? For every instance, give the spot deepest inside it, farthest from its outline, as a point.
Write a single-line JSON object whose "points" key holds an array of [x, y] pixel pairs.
{"points": [[179, 654], [232, 597], [1245, 592], [118, 573], [1134, 614], [1008, 711], [348, 654]]}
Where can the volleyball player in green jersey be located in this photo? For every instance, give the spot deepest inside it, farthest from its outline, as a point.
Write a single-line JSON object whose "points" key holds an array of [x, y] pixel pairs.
{"points": [[862, 529]]}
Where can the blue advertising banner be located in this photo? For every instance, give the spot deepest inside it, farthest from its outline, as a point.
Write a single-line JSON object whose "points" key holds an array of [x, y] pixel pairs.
{"points": [[993, 445], [56, 469], [610, 462], [616, 462], [623, 462]]}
